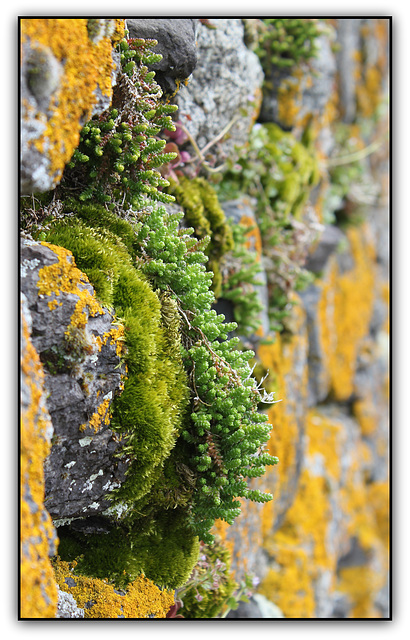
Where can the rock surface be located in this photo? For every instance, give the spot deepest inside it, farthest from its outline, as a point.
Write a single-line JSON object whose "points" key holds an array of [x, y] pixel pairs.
{"points": [[176, 43], [225, 68]]}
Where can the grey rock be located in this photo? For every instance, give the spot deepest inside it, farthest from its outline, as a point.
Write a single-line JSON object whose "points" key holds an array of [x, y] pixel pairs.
{"points": [[329, 241], [81, 380], [224, 85], [67, 606], [267, 608], [176, 43]]}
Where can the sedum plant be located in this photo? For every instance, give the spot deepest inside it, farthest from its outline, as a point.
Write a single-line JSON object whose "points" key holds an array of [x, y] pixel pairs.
{"points": [[120, 152]]}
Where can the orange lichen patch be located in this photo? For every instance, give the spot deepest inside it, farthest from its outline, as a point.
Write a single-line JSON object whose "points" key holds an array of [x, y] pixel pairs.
{"points": [[38, 590], [63, 276], [279, 358], [101, 416], [114, 336], [345, 311], [100, 599], [87, 65]]}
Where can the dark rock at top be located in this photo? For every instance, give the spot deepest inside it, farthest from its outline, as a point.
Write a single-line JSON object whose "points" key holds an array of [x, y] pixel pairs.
{"points": [[176, 43]]}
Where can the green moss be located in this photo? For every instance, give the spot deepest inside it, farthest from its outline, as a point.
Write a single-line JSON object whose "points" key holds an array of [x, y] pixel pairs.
{"points": [[203, 212], [165, 550]]}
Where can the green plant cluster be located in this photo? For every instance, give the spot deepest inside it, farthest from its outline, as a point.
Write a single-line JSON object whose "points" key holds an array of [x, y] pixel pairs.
{"points": [[280, 173], [119, 153], [286, 42], [203, 212]]}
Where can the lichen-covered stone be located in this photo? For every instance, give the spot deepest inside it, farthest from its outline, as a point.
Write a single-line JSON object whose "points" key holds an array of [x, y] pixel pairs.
{"points": [[225, 84], [38, 537], [60, 60], [80, 349]]}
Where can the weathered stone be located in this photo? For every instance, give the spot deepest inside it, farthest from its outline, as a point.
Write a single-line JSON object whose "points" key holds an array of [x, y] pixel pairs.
{"points": [[224, 88], [83, 372], [176, 43], [348, 37]]}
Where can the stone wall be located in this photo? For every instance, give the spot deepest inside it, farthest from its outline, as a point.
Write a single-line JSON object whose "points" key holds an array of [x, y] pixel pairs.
{"points": [[295, 158]]}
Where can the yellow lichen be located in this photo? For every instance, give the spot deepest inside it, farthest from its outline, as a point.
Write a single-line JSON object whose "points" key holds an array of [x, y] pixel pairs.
{"points": [[87, 65], [100, 599], [63, 276], [102, 415], [38, 590]]}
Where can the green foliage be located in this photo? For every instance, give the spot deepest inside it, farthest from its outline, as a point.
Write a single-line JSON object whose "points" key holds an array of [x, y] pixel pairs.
{"points": [[119, 153], [203, 212], [350, 183], [286, 42], [279, 172]]}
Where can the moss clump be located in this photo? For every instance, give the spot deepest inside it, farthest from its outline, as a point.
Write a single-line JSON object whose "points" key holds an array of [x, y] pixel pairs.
{"points": [[163, 548], [203, 212]]}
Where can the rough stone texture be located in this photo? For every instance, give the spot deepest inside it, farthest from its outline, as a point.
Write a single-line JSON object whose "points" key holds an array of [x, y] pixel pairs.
{"points": [[67, 606], [310, 91], [49, 77], [226, 81], [176, 43], [80, 385]]}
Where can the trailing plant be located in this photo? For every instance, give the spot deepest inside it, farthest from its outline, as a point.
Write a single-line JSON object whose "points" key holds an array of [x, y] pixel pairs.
{"points": [[279, 172], [120, 152]]}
